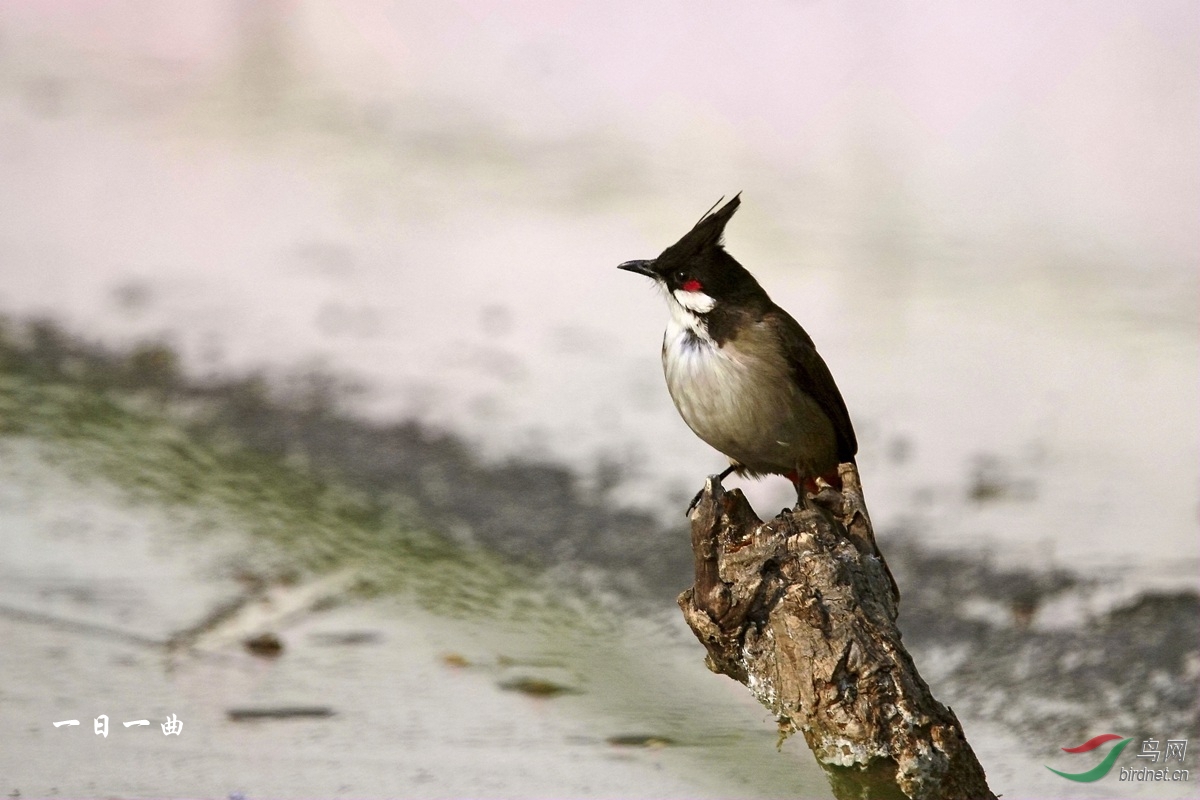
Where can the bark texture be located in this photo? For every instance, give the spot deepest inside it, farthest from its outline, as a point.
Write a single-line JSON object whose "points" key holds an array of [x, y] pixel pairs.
{"points": [[802, 610]]}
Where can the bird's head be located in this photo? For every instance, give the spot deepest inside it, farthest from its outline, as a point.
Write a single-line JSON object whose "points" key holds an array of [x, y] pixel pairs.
{"points": [[695, 273]]}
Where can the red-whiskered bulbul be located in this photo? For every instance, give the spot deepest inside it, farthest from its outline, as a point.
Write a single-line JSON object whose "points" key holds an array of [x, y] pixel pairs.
{"points": [[744, 375]]}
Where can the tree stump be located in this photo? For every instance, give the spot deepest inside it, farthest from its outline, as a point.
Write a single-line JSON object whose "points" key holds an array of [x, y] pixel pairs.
{"points": [[802, 610]]}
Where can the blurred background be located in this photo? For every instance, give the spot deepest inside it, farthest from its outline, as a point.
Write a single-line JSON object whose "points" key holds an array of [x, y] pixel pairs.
{"points": [[321, 392]]}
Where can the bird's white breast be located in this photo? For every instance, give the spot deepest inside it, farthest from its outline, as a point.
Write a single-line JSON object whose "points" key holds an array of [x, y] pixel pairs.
{"points": [[744, 405], [706, 381]]}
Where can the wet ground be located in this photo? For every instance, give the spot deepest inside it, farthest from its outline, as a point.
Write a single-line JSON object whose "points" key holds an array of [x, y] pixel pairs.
{"points": [[313, 589]]}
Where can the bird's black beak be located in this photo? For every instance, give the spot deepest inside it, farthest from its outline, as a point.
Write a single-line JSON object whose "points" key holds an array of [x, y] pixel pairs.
{"points": [[640, 267]]}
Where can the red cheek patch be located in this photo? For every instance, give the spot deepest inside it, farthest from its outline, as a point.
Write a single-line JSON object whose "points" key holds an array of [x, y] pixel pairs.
{"points": [[691, 286]]}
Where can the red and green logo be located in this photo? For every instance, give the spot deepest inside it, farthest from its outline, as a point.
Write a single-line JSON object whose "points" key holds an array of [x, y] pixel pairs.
{"points": [[1100, 770]]}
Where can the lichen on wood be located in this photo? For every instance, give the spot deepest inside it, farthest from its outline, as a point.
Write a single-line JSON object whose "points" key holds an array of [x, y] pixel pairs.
{"points": [[802, 610]]}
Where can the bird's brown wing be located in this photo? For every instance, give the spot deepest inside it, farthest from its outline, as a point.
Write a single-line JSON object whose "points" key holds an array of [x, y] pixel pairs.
{"points": [[813, 376]]}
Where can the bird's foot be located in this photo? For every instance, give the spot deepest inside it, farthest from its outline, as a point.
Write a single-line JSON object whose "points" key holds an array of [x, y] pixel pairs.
{"points": [[696, 500], [804, 488]]}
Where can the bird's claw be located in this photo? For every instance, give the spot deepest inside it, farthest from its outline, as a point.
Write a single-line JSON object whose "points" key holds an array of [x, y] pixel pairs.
{"points": [[720, 476]]}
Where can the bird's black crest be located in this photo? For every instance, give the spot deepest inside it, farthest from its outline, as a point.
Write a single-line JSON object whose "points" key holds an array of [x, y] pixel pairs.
{"points": [[710, 230]]}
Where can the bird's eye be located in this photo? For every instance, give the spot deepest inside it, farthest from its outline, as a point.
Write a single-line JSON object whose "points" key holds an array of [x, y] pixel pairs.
{"points": [[687, 282]]}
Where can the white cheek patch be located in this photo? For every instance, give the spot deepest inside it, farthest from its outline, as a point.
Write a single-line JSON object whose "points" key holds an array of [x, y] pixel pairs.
{"points": [[695, 302]]}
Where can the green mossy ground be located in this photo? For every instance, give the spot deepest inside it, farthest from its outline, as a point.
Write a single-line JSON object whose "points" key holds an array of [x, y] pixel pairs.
{"points": [[131, 419]]}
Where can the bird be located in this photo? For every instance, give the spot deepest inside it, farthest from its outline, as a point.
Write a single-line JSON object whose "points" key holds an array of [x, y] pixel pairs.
{"points": [[743, 374]]}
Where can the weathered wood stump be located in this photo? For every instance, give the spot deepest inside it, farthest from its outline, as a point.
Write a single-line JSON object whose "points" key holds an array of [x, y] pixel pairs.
{"points": [[802, 610]]}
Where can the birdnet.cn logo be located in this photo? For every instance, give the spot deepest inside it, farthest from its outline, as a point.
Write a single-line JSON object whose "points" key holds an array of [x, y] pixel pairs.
{"points": [[1173, 750]]}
